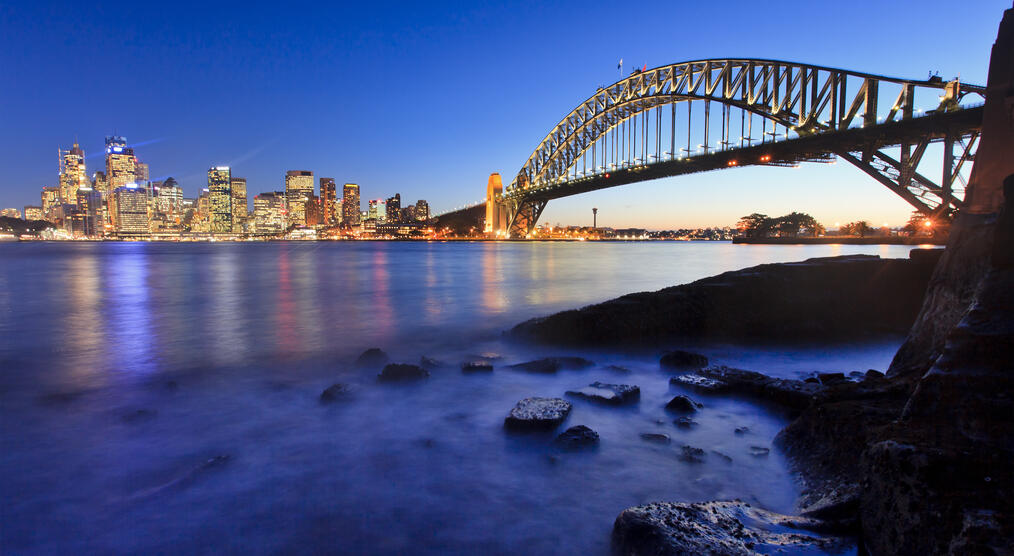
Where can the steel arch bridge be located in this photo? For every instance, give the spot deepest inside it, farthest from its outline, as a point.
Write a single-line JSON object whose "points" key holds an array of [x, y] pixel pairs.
{"points": [[772, 112]]}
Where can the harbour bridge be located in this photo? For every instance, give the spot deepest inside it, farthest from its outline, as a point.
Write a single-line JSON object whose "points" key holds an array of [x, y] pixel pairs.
{"points": [[726, 113]]}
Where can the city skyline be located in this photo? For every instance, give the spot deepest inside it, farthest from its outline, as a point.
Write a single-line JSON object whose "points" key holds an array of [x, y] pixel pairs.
{"points": [[370, 136]]}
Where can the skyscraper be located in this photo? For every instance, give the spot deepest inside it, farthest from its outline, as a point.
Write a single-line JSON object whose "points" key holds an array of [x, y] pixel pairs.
{"points": [[169, 199], [378, 210], [50, 200], [298, 190], [141, 173], [239, 204], [131, 207], [350, 205], [121, 165], [72, 173], [220, 191], [269, 213], [88, 217], [33, 212], [328, 201], [393, 213], [422, 210]]}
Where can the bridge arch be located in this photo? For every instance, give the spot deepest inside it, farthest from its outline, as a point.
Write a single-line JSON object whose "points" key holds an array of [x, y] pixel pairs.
{"points": [[822, 112]]}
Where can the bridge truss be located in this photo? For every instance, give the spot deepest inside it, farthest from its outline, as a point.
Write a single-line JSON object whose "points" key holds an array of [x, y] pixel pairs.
{"points": [[662, 122]]}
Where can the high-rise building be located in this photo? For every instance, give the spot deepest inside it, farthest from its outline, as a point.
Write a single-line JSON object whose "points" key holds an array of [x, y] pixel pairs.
{"points": [[201, 221], [33, 212], [72, 173], [329, 201], [378, 211], [88, 216], [298, 190], [422, 210], [131, 208], [394, 208], [220, 190], [141, 173], [10, 213], [99, 182], [50, 200], [169, 199], [314, 212], [350, 205], [239, 204], [269, 213], [121, 164]]}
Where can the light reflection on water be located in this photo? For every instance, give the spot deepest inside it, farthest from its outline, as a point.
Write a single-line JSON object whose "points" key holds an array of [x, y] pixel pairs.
{"points": [[248, 335]]}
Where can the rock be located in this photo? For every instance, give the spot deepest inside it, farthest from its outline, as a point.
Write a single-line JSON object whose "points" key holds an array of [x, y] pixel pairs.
{"points": [[742, 430], [657, 438], [611, 394], [578, 436], [759, 451], [682, 404], [335, 392], [721, 456], [618, 369], [373, 357], [728, 528], [538, 413], [685, 422], [679, 359], [138, 415], [811, 380], [402, 371], [549, 365], [698, 382], [476, 366], [691, 454], [873, 374], [795, 394], [831, 378], [429, 363]]}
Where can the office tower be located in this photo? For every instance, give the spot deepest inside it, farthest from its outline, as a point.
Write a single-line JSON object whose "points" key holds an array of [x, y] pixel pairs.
{"points": [[422, 210], [408, 214], [33, 212], [88, 217], [269, 213], [220, 191], [298, 190], [201, 221], [131, 209], [494, 218], [121, 165], [141, 174], [10, 213], [350, 205], [50, 200], [329, 201], [314, 212], [169, 199], [378, 211], [99, 182], [239, 204], [72, 173], [393, 213]]}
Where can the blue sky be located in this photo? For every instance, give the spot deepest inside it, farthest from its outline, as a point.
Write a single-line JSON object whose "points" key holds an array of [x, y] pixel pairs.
{"points": [[428, 98]]}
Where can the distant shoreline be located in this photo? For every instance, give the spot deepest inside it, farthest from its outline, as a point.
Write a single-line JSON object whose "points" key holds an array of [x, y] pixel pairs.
{"points": [[892, 240]]}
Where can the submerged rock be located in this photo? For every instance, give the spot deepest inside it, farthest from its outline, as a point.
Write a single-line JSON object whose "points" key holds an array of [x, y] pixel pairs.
{"points": [[578, 436], [759, 451], [476, 366], [682, 404], [538, 413], [679, 359], [552, 364], [728, 528], [402, 371], [373, 357], [721, 456], [657, 438], [430, 363], [612, 394], [685, 422], [691, 454], [335, 392]]}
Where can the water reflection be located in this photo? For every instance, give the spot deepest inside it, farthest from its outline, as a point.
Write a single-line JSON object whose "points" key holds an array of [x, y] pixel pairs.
{"points": [[225, 310], [493, 299], [286, 332], [129, 330], [83, 325]]}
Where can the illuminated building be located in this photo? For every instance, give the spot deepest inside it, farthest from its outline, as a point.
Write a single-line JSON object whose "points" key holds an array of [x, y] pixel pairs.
{"points": [[351, 216], [99, 182], [88, 216], [141, 174], [314, 212], [50, 200], [72, 173], [298, 190], [422, 210], [169, 198], [269, 213], [201, 221], [408, 214], [10, 213], [220, 190], [239, 204], [131, 207], [495, 213], [33, 212], [393, 208], [121, 165], [378, 211], [329, 201]]}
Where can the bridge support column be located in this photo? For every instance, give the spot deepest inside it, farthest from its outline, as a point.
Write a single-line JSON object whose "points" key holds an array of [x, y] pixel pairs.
{"points": [[523, 215]]}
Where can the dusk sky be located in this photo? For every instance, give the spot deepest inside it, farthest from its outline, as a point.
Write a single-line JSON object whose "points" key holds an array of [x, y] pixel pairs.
{"points": [[427, 98]]}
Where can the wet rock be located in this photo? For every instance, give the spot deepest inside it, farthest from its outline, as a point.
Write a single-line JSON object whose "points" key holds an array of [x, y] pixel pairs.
{"points": [[759, 451], [831, 378], [840, 505], [698, 382], [728, 528], [721, 456], [812, 380], [685, 423], [657, 438], [691, 454], [402, 371], [476, 366], [430, 363], [538, 413], [618, 369], [578, 436], [611, 394], [335, 392], [488, 357], [138, 415], [873, 375], [795, 394], [679, 359], [548, 365], [682, 404], [742, 430], [373, 357]]}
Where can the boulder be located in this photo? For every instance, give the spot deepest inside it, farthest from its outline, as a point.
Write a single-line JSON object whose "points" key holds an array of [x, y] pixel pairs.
{"points": [[685, 422], [538, 413], [476, 366], [548, 365], [682, 404], [794, 394], [335, 392], [578, 436], [728, 528], [657, 438], [402, 371], [679, 359], [373, 357], [691, 454], [430, 363], [610, 394]]}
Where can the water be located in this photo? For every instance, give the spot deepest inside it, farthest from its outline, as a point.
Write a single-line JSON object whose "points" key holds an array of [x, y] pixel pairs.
{"points": [[124, 367]]}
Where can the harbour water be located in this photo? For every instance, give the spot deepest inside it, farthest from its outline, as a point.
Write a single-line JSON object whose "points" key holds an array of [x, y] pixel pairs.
{"points": [[164, 397]]}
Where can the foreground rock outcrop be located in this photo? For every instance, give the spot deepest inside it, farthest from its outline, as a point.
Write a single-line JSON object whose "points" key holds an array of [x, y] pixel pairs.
{"points": [[818, 299], [538, 414]]}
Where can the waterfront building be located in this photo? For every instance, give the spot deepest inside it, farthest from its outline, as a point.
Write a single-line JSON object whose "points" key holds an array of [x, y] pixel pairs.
{"points": [[34, 212], [220, 190], [72, 173], [377, 211], [87, 219], [314, 212], [10, 213], [50, 200], [408, 213], [393, 208], [298, 190], [351, 216], [422, 210], [269, 213], [239, 204], [121, 164], [131, 209], [169, 198], [329, 201], [201, 221]]}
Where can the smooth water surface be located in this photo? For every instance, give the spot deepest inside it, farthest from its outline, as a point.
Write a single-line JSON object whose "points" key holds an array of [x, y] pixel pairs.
{"points": [[127, 368]]}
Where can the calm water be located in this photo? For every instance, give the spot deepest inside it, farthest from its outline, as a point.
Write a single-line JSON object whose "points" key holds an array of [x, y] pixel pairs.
{"points": [[124, 367]]}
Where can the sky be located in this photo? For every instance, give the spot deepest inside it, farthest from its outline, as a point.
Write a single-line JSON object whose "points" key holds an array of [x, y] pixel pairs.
{"points": [[427, 99]]}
